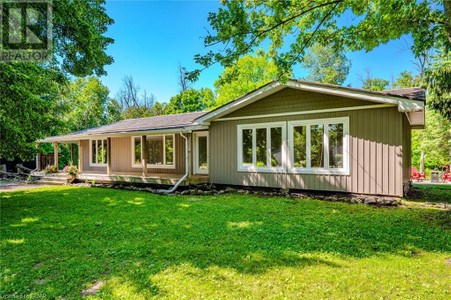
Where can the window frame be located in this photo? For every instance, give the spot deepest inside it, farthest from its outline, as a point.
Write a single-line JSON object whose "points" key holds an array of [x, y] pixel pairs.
{"points": [[326, 169], [268, 168], [153, 166], [197, 135], [96, 164]]}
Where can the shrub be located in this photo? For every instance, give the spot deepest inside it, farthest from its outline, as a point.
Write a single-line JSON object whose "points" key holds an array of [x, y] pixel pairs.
{"points": [[71, 169], [50, 169]]}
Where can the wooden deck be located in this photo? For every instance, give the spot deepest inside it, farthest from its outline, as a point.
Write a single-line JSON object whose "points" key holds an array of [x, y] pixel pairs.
{"points": [[152, 178]]}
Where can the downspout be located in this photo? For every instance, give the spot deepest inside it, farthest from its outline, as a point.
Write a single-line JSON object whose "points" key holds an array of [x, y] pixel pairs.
{"points": [[187, 166]]}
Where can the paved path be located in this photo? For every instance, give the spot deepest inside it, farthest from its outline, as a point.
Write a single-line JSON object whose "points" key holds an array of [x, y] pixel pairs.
{"points": [[15, 186]]}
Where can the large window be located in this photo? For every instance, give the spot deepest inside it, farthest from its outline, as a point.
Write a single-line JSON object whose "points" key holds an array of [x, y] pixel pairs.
{"points": [[98, 152], [319, 146], [160, 151], [260, 147]]}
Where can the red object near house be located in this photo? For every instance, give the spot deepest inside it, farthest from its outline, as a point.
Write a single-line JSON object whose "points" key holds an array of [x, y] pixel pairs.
{"points": [[446, 173], [417, 175]]}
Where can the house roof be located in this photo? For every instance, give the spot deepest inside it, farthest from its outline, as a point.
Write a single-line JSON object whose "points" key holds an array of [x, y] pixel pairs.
{"points": [[407, 100], [166, 122]]}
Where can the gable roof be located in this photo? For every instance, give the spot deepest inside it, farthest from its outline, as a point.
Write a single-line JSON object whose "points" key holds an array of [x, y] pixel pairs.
{"points": [[407, 100], [139, 125]]}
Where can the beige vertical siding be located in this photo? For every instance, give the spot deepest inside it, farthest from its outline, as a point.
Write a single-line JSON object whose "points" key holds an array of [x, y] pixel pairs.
{"points": [[121, 157], [86, 159], [407, 149], [376, 158]]}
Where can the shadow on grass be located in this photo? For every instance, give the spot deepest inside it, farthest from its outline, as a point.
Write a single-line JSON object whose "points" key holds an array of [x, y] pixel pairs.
{"points": [[80, 235]]}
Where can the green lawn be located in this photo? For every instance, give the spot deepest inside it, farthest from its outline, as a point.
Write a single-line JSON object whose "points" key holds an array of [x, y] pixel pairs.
{"points": [[435, 192], [55, 242]]}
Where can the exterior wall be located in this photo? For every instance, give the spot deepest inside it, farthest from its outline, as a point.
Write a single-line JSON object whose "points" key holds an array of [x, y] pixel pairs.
{"points": [[376, 156], [407, 150], [291, 100], [86, 167], [121, 157]]}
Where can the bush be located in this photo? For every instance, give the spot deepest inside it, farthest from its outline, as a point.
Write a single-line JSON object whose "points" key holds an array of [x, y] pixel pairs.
{"points": [[71, 169], [50, 169]]}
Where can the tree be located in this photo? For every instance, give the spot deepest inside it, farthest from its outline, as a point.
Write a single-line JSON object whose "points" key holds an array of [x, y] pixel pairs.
{"points": [[325, 65], [405, 80], [133, 103], [438, 78], [372, 84], [191, 100], [240, 27], [30, 105], [435, 141], [88, 103], [184, 83], [249, 73]]}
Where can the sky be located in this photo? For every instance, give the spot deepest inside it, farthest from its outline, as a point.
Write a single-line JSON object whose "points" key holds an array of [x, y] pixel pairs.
{"points": [[153, 37]]}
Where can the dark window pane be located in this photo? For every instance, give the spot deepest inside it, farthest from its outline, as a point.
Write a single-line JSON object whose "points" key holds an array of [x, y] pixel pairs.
{"points": [[202, 144], [336, 145], [137, 146], [276, 147], [317, 146], [99, 151], [300, 146], [261, 147], [247, 146], [155, 154], [169, 150]]}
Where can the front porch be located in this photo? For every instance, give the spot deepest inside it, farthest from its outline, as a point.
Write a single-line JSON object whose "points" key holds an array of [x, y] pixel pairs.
{"points": [[124, 177]]}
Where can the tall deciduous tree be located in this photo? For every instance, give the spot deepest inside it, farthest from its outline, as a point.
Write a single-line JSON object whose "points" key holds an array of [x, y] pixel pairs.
{"points": [[30, 107], [438, 78], [370, 83], [406, 80], [246, 75], [88, 103], [291, 27], [29, 99], [326, 65]]}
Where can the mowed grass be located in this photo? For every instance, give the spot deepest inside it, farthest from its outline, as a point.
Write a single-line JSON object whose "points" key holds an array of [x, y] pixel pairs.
{"points": [[56, 242], [435, 192]]}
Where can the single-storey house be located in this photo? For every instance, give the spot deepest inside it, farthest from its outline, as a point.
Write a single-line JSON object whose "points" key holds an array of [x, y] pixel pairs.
{"points": [[293, 135]]}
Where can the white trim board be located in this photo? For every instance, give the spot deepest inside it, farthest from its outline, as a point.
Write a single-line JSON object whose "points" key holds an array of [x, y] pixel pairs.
{"points": [[294, 113]]}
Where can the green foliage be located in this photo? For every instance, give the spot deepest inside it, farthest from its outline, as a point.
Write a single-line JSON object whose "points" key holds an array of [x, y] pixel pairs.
{"points": [[435, 141], [375, 84], [29, 108], [290, 27], [326, 65], [438, 78], [88, 104], [249, 73], [191, 100], [71, 169], [405, 80], [149, 246]]}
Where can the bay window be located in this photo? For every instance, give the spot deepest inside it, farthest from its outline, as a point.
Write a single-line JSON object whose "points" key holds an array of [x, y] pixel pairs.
{"points": [[260, 147], [97, 151], [160, 151]]}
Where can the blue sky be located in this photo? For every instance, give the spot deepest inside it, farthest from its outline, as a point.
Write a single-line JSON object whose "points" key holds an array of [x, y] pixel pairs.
{"points": [[152, 37]]}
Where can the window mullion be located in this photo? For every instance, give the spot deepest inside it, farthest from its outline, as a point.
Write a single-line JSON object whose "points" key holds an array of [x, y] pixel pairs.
{"points": [[308, 143]]}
